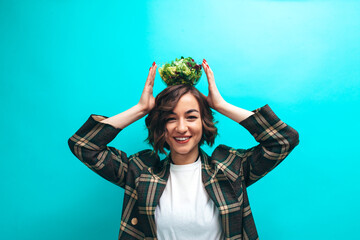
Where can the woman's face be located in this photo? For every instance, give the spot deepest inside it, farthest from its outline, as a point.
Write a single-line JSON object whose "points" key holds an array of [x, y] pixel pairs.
{"points": [[184, 128]]}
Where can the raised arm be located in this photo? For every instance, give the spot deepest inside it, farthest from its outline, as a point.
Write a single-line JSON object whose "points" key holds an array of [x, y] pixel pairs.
{"points": [[276, 138], [89, 143], [217, 102], [146, 103]]}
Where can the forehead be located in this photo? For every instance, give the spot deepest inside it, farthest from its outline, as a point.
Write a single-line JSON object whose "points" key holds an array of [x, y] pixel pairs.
{"points": [[186, 102]]}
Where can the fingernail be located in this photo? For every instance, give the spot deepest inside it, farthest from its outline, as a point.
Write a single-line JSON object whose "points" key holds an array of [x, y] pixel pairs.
{"points": [[153, 63]]}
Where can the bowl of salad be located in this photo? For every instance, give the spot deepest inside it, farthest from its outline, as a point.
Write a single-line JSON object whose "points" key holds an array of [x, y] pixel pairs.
{"points": [[181, 71]]}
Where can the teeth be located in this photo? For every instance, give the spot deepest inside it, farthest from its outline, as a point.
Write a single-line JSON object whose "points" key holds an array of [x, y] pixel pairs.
{"points": [[182, 139]]}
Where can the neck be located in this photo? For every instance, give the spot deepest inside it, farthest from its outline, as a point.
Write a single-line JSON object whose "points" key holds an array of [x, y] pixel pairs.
{"points": [[182, 159]]}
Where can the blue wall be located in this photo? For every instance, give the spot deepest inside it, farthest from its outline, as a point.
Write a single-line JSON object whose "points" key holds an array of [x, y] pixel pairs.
{"points": [[61, 61]]}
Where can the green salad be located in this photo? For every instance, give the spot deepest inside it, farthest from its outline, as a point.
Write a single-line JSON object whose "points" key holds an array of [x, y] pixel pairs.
{"points": [[181, 71]]}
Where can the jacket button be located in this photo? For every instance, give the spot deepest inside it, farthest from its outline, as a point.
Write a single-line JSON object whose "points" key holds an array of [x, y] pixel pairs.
{"points": [[134, 221]]}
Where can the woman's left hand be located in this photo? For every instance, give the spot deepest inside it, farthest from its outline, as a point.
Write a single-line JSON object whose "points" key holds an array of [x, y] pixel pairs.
{"points": [[214, 97]]}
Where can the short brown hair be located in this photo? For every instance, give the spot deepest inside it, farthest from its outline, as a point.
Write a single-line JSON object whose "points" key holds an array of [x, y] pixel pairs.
{"points": [[165, 102]]}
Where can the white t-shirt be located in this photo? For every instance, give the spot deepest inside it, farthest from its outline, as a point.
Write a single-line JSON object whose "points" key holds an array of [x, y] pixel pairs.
{"points": [[185, 210]]}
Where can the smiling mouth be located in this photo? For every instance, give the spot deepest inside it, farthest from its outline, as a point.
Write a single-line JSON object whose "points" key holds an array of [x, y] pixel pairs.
{"points": [[182, 139]]}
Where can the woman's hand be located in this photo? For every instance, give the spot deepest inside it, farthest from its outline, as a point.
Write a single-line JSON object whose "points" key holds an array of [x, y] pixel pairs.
{"points": [[216, 101], [214, 98], [147, 100]]}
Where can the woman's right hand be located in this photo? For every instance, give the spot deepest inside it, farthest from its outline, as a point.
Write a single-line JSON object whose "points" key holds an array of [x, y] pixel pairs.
{"points": [[147, 100]]}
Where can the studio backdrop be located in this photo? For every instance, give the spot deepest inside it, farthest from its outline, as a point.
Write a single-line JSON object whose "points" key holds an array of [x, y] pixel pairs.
{"points": [[61, 61]]}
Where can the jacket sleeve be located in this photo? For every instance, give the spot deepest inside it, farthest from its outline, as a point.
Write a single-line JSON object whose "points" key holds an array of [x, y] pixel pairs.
{"points": [[89, 145], [276, 141]]}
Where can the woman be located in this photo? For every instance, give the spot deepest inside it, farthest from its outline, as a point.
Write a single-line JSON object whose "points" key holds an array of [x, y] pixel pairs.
{"points": [[188, 195]]}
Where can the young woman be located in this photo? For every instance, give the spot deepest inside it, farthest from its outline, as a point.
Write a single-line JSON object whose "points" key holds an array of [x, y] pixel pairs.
{"points": [[189, 194]]}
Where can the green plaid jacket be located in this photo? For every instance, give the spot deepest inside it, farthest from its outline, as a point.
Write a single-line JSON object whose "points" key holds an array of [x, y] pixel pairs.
{"points": [[226, 173]]}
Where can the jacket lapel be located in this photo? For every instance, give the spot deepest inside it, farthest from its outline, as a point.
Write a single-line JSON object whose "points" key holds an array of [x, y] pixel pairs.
{"points": [[150, 188], [209, 172], [220, 189]]}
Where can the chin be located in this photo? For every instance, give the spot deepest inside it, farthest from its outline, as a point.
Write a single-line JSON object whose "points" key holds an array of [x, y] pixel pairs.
{"points": [[183, 151]]}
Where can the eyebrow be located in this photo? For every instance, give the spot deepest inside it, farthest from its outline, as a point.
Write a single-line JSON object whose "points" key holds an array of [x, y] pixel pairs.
{"points": [[187, 112]]}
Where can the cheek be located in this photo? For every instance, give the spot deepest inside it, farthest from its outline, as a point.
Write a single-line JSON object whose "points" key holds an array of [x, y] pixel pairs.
{"points": [[169, 128]]}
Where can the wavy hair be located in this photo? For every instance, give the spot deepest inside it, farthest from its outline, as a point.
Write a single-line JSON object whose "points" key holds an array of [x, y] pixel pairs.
{"points": [[165, 102]]}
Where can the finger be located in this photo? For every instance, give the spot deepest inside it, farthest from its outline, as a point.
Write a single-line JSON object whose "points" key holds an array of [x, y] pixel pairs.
{"points": [[152, 70], [153, 75], [148, 78], [207, 72], [210, 77], [149, 81], [205, 63], [206, 66], [205, 69]]}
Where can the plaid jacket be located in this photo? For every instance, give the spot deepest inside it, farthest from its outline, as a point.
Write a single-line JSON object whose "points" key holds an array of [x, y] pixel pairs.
{"points": [[226, 173]]}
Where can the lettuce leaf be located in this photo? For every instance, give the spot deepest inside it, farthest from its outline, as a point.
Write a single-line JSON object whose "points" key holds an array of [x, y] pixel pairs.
{"points": [[181, 71]]}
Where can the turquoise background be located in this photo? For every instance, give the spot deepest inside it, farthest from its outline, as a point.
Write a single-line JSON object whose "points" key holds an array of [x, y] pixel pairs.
{"points": [[61, 61]]}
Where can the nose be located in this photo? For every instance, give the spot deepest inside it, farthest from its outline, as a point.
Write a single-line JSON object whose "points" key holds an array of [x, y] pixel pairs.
{"points": [[181, 127]]}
